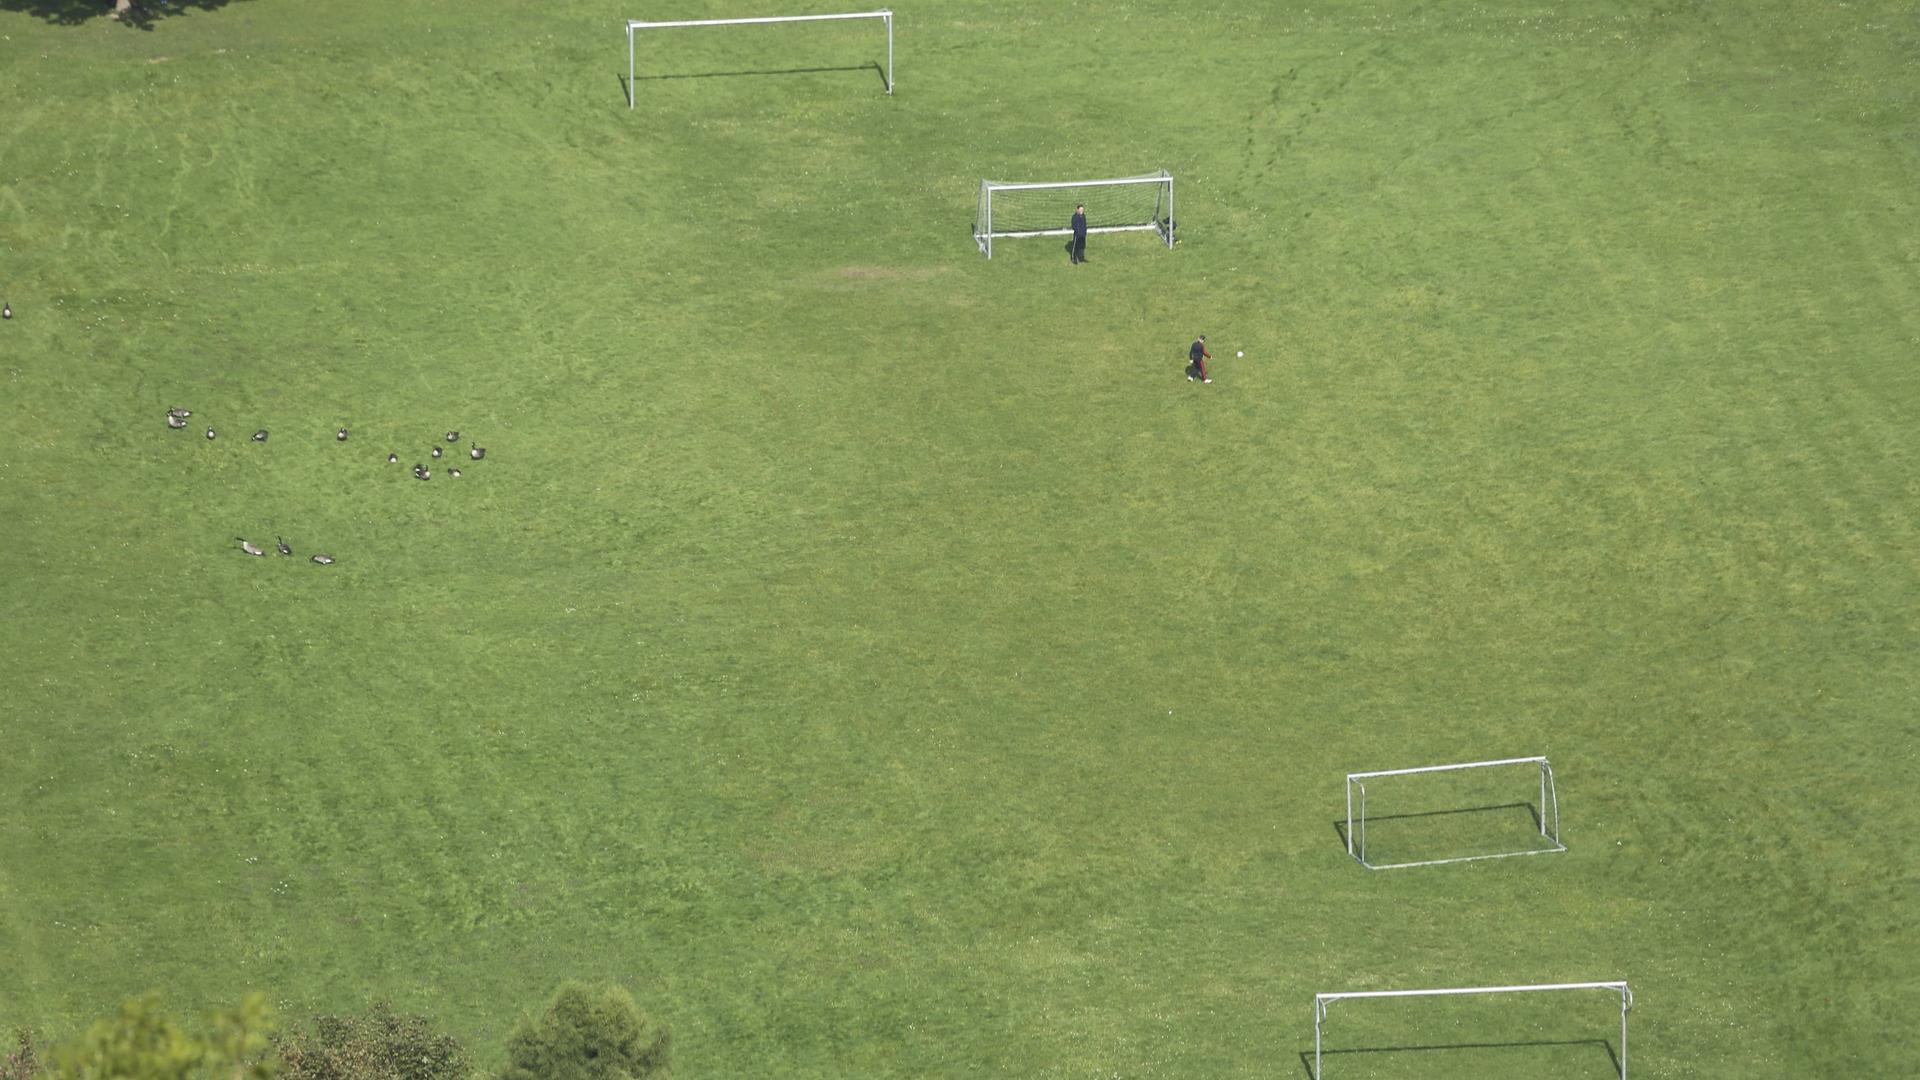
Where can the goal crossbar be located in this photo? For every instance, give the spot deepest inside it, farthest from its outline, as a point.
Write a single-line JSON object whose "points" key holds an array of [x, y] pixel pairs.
{"points": [[1321, 1001], [1058, 184], [1547, 812], [1444, 768], [884, 15]]}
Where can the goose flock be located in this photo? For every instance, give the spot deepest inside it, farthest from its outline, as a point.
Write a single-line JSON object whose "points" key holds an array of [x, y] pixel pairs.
{"points": [[177, 421]]}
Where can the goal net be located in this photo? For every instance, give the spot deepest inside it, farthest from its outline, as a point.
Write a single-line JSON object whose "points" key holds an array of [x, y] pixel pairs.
{"points": [[634, 25], [1437, 814], [1123, 204], [1482, 1031]]}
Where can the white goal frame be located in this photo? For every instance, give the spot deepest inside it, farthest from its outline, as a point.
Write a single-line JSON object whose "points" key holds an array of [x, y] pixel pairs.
{"points": [[1547, 813], [884, 15], [1321, 1001], [984, 232]]}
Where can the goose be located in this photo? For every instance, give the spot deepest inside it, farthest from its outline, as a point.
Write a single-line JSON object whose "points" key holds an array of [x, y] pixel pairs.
{"points": [[455, 473], [453, 436], [249, 546], [181, 413], [425, 474], [281, 543], [175, 422], [209, 434], [341, 435], [393, 459], [260, 436], [323, 559], [419, 470], [6, 311], [477, 452], [436, 451]]}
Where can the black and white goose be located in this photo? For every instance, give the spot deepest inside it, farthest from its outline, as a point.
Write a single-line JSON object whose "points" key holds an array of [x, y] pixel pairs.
{"points": [[341, 435], [455, 473], [393, 459], [181, 413], [176, 422], [249, 546], [260, 436], [477, 452], [436, 451], [209, 434], [453, 436], [281, 543], [323, 559]]}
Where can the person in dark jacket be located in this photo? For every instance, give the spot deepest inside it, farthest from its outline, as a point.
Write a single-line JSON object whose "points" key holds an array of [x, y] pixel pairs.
{"points": [[1198, 355], [1080, 233]]}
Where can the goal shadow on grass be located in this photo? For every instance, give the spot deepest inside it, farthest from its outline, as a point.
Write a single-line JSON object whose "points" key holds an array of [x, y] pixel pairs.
{"points": [[1560, 1049], [871, 65], [1463, 829]]}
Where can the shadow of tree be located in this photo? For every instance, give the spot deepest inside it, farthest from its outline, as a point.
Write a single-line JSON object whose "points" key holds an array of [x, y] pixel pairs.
{"points": [[142, 15]]}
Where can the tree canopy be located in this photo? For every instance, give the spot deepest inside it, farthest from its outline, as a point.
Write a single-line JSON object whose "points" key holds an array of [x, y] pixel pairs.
{"points": [[588, 1033], [142, 1042], [379, 1045]]}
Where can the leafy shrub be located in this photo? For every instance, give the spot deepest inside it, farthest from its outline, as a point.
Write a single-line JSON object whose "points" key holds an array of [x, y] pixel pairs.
{"points": [[380, 1045], [141, 1042], [588, 1033], [23, 1061]]}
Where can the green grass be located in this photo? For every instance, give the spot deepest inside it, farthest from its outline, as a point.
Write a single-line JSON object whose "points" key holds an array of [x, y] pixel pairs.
{"points": [[878, 658]]}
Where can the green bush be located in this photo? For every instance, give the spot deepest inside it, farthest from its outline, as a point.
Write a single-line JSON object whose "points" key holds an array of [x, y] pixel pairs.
{"points": [[588, 1033], [23, 1061], [380, 1045], [142, 1042]]}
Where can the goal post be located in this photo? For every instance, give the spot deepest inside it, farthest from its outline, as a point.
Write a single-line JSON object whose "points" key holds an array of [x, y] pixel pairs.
{"points": [[1322, 1001], [1537, 795], [884, 15], [1120, 204]]}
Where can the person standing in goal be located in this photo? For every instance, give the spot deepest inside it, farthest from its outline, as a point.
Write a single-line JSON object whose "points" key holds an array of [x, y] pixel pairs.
{"points": [[1080, 233], [1198, 355]]}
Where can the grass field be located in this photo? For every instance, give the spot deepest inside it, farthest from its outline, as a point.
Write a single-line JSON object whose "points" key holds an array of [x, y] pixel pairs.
{"points": [[879, 658]]}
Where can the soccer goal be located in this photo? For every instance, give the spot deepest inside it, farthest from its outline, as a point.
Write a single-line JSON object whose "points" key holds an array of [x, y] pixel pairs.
{"points": [[1124, 204], [1498, 1037], [883, 15], [1438, 814]]}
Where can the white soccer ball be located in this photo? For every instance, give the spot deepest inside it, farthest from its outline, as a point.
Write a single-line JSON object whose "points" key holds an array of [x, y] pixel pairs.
{"points": [[1241, 353]]}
